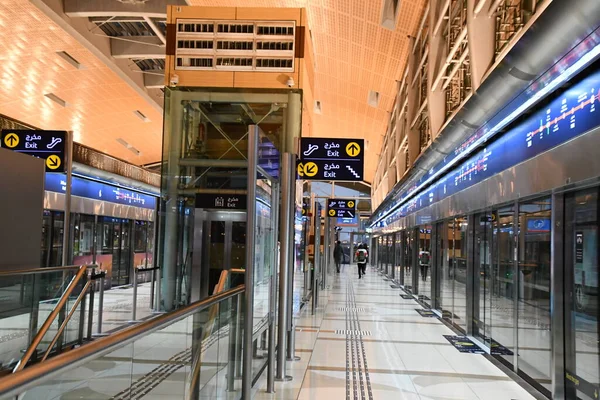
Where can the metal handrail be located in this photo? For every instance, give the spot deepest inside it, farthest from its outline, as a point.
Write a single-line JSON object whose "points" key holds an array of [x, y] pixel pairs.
{"points": [[46, 326], [19, 382], [34, 271], [63, 326]]}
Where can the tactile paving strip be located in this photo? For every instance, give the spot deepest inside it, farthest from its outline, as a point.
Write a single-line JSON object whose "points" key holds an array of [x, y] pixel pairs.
{"points": [[355, 351]]}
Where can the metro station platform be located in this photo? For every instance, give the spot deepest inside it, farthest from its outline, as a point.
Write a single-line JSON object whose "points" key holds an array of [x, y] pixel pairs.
{"points": [[366, 342]]}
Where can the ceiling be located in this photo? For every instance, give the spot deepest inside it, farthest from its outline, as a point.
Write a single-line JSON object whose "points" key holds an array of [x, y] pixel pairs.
{"points": [[100, 104], [354, 54]]}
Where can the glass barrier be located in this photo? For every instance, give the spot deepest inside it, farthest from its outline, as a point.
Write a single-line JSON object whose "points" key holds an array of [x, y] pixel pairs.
{"points": [[196, 356], [26, 300]]}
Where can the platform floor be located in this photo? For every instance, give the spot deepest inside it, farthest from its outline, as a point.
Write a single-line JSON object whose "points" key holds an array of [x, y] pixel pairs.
{"points": [[366, 342]]}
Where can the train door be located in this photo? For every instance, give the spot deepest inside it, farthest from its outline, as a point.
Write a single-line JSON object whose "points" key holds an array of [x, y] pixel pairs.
{"points": [[423, 266], [581, 311], [481, 303], [219, 244], [52, 238], [440, 265], [121, 252]]}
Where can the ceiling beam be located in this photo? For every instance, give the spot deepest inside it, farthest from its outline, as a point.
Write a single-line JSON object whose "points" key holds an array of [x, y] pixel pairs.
{"points": [[154, 81], [137, 47], [101, 8]]}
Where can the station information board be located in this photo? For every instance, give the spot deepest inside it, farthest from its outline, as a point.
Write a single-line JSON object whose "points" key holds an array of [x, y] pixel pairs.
{"points": [[341, 208], [331, 159], [570, 115], [49, 145]]}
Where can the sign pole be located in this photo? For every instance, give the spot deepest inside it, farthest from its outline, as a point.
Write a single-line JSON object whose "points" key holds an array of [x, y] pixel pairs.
{"points": [[67, 219]]}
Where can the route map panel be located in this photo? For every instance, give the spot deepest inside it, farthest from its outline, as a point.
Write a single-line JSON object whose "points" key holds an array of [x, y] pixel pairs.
{"points": [[572, 114]]}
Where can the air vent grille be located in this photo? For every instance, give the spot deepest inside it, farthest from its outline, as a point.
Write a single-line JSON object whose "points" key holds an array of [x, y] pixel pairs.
{"points": [[231, 45], [194, 63], [274, 63], [234, 62], [195, 44], [277, 46], [235, 28], [235, 45], [203, 27]]}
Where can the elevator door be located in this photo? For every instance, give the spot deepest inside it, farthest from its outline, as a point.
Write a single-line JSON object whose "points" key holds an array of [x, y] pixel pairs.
{"points": [[221, 242]]}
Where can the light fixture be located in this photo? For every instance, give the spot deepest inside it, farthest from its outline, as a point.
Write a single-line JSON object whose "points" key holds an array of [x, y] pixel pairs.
{"points": [[141, 116], [56, 99], [373, 99], [70, 59]]}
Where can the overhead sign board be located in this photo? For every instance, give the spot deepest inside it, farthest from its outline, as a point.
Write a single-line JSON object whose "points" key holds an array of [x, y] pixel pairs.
{"points": [[224, 202], [331, 159], [305, 207], [341, 208], [49, 145]]}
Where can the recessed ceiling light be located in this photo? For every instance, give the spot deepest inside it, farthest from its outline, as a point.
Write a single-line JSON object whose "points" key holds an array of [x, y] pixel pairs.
{"points": [[318, 109], [129, 146], [389, 13], [56, 99], [373, 98], [70, 59], [141, 116]]}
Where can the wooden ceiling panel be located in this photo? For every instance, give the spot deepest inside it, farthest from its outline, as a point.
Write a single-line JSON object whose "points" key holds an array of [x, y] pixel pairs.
{"points": [[353, 55], [100, 104]]}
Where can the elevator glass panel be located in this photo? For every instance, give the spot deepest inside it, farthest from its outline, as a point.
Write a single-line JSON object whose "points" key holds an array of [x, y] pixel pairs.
{"points": [[582, 362], [534, 330], [216, 253]]}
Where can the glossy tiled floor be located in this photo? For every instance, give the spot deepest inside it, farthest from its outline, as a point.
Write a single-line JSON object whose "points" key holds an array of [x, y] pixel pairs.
{"points": [[397, 355]]}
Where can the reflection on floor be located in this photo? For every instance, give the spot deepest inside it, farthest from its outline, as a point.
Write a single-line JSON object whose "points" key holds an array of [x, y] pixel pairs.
{"points": [[366, 342]]}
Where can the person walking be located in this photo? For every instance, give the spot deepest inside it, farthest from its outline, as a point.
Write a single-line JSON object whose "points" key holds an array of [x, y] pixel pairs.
{"points": [[362, 256], [338, 253]]}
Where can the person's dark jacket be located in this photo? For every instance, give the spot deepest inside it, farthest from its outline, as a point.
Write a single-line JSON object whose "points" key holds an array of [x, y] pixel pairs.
{"points": [[337, 253]]}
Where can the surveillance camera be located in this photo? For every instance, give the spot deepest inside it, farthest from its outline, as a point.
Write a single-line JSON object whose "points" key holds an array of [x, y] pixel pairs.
{"points": [[290, 82], [174, 80]]}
